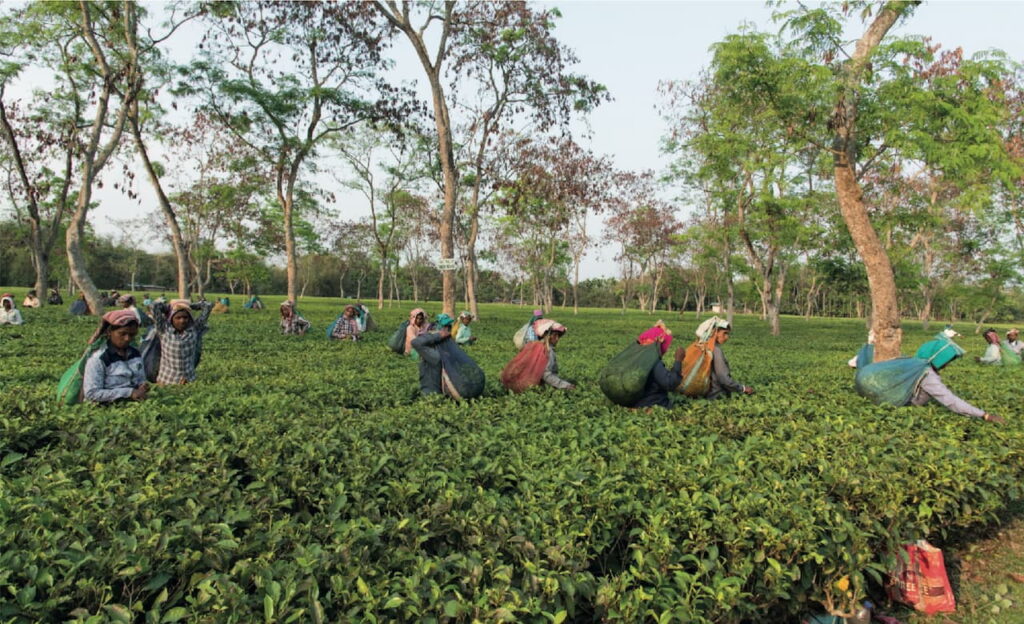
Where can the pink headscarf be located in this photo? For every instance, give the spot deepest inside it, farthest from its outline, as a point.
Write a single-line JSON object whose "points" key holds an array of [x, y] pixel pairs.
{"points": [[120, 318], [653, 334], [544, 326], [114, 318], [412, 315]]}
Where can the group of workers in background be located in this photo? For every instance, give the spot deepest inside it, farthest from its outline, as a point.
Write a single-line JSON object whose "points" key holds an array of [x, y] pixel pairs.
{"points": [[117, 372]]}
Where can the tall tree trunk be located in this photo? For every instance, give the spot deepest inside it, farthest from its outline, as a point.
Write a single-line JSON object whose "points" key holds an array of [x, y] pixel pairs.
{"points": [[40, 245], [776, 304], [730, 287], [170, 218], [399, 17], [380, 285], [882, 283], [93, 158], [576, 286]]}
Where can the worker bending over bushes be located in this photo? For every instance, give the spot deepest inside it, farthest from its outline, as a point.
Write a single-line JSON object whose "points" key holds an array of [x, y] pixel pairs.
{"points": [[916, 381], [537, 364]]}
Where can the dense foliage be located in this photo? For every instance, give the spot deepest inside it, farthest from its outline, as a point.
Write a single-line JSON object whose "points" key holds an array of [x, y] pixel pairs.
{"points": [[301, 480]]}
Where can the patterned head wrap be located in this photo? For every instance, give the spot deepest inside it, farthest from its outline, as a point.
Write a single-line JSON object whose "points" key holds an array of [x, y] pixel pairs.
{"points": [[177, 305], [120, 318], [287, 308], [660, 334], [114, 319], [126, 300], [544, 326], [412, 315], [708, 328], [466, 314], [538, 313]]}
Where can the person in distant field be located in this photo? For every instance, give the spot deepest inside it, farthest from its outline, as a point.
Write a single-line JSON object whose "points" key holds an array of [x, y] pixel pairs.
{"points": [[1013, 342], [127, 302], [31, 300], [425, 345], [180, 339], [939, 353], [108, 299], [463, 334], [993, 353], [55, 298], [722, 383], [661, 380], [551, 332], [254, 303], [347, 327], [292, 323], [161, 299], [116, 372], [417, 327], [79, 307], [223, 306], [9, 314], [147, 301]]}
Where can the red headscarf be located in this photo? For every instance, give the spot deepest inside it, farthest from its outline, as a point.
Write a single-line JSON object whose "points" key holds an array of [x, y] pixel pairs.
{"points": [[653, 335]]}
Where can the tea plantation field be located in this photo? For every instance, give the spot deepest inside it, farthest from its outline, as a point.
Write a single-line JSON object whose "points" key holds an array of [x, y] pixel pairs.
{"points": [[302, 480]]}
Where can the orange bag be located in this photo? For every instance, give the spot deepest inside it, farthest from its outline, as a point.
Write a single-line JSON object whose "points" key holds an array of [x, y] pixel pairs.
{"points": [[526, 369], [697, 369], [921, 581]]}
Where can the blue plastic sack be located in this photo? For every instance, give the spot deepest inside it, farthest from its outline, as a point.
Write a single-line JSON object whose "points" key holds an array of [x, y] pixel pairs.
{"points": [[892, 382]]}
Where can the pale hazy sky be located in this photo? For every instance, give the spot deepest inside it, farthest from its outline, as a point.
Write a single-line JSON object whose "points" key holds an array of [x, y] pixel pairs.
{"points": [[631, 46]]}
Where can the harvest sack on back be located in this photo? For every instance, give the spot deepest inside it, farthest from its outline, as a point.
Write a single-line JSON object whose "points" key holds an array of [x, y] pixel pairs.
{"points": [[893, 381], [150, 350], [330, 328], [866, 355], [1008, 357], [519, 339], [397, 340], [622, 379], [527, 368], [461, 377], [697, 369], [69, 388]]}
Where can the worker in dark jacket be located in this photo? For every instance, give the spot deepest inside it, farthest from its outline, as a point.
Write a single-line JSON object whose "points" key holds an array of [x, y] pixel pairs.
{"points": [[661, 380], [722, 383], [430, 358]]}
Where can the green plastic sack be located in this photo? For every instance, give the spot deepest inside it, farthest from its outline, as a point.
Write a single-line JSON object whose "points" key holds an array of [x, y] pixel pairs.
{"points": [[892, 382], [622, 380], [69, 388], [397, 340], [1008, 357]]}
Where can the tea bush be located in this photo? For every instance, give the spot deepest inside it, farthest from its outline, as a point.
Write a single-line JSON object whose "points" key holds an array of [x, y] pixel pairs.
{"points": [[303, 480]]}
